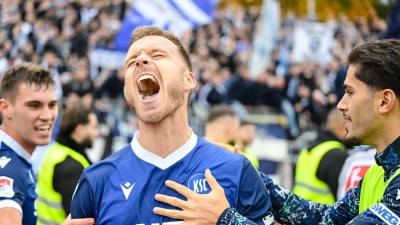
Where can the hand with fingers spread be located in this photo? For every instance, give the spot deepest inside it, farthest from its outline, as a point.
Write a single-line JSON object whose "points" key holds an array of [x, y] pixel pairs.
{"points": [[197, 209]]}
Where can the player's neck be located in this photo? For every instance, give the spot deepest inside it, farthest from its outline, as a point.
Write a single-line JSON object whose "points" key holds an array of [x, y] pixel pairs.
{"points": [[386, 137], [13, 134], [165, 137]]}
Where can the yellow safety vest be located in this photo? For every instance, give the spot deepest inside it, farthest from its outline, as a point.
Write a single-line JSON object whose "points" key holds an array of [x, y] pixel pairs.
{"points": [[373, 187], [49, 202], [307, 185], [252, 157], [248, 154]]}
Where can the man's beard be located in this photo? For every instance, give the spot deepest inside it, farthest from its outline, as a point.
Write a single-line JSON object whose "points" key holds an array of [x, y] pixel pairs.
{"points": [[176, 94], [87, 142], [353, 141]]}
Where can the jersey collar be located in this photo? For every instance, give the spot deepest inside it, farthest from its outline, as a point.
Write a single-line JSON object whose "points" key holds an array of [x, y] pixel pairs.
{"points": [[169, 160], [17, 148]]}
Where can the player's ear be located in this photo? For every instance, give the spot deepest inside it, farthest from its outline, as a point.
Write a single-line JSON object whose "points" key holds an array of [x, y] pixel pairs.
{"points": [[6, 108], [189, 80], [387, 100]]}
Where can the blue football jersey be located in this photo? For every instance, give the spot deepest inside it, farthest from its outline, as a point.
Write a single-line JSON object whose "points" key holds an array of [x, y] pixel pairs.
{"points": [[121, 188], [17, 183]]}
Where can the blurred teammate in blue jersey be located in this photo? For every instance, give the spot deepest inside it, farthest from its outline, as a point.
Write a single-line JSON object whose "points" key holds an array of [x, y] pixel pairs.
{"points": [[28, 105], [29, 109], [121, 189], [371, 108]]}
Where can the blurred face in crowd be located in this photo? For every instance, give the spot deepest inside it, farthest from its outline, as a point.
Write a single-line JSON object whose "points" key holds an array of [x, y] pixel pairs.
{"points": [[82, 73], [246, 133], [358, 110], [32, 115], [155, 79], [51, 59], [90, 131], [232, 128]]}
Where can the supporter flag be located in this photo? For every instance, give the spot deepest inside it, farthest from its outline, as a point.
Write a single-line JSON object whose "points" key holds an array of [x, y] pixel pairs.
{"points": [[173, 15], [265, 39], [312, 42]]}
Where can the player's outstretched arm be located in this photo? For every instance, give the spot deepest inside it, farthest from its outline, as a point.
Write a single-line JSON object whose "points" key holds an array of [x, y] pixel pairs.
{"points": [[69, 221]]}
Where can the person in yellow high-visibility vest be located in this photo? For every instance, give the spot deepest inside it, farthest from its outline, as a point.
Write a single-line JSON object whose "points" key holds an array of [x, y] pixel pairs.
{"points": [[63, 164], [318, 166]]}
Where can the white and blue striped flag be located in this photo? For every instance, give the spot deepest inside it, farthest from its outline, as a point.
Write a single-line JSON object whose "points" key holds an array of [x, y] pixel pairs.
{"points": [[176, 16]]}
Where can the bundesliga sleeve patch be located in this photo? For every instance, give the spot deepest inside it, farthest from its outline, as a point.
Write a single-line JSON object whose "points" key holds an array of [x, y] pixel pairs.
{"points": [[6, 187], [385, 214]]}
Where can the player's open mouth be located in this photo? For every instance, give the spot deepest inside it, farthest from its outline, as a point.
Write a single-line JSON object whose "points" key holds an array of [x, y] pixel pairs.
{"points": [[148, 87], [43, 128]]}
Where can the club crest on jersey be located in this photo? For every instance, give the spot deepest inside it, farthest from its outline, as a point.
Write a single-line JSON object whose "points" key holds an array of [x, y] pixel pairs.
{"points": [[6, 187], [198, 184]]}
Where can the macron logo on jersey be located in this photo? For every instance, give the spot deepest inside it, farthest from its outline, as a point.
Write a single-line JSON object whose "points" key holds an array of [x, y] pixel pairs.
{"points": [[385, 214], [3, 161], [126, 189]]}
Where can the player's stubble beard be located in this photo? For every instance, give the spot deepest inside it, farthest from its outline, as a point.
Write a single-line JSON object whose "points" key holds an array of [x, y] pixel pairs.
{"points": [[367, 122], [175, 93]]}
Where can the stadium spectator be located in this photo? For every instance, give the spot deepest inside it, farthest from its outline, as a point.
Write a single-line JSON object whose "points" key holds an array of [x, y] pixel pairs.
{"points": [[63, 164]]}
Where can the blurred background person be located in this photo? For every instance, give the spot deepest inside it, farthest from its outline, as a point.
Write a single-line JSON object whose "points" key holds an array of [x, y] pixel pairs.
{"points": [[63, 164], [356, 165], [222, 124], [319, 165], [243, 138]]}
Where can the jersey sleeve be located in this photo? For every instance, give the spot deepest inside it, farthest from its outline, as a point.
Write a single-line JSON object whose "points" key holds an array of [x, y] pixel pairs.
{"points": [[13, 184], [253, 200], [385, 212], [83, 204]]}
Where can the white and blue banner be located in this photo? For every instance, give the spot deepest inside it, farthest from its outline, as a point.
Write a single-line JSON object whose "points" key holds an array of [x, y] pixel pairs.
{"points": [[313, 42], [176, 16]]}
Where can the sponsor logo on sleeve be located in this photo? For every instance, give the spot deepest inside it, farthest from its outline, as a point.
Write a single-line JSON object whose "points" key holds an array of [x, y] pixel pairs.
{"points": [[6, 187], [385, 214], [3, 161]]}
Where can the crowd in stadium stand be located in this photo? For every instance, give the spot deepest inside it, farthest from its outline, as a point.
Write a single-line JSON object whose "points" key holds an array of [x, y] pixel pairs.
{"points": [[61, 34]]}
